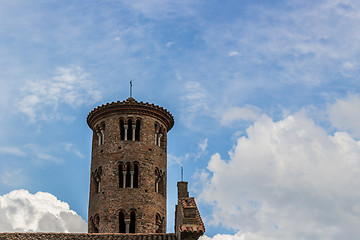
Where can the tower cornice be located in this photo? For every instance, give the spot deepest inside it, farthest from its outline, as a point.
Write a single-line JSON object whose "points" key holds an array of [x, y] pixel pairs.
{"points": [[131, 106]]}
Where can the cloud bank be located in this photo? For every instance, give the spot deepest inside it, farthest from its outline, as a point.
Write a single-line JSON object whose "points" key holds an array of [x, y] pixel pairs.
{"points": [[344, 114], [286, 180], [21, 211]]}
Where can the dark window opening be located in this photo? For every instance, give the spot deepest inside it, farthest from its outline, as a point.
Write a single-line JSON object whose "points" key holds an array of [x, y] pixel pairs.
{"points": [[122, 129], [159, 223], [137, 130], [129, 130], [121, 176], [96, 222], [122, 225], [161, 186], [128, 175], [157, 129], [132, 222], [136, 175]]}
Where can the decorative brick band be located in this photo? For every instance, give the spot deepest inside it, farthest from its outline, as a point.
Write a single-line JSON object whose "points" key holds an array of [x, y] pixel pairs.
{"points": [[131, 106]]}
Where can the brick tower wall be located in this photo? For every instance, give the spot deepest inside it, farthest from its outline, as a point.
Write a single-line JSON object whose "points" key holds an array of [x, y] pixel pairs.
{"points": [[111, 200]]}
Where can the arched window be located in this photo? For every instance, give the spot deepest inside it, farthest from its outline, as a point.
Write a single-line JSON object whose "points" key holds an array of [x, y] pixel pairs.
{"points": [[157, 179], [97, 179], [128, 175], [121, 176], [156, 133], [100, 132], [122, 225], [129, 130], [96, 223], [159, 182], [122, 129], [162, 140], [136, 175], [132, 222], [159, 223], [161, 186], [137, 131]]}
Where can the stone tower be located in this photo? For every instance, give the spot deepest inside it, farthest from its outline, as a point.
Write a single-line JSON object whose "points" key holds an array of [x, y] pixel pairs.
{"points": [[128, 167]]}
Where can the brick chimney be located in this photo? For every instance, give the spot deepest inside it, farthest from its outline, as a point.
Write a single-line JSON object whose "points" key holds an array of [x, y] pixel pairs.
{"points": [[182, 189]]}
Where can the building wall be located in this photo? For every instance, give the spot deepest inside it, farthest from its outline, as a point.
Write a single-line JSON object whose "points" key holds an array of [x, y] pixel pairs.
{"points": [[112, 199]]}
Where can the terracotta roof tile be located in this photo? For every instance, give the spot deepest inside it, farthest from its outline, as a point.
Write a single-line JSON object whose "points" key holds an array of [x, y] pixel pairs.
{"points": [[191, 223], [87, 236]]}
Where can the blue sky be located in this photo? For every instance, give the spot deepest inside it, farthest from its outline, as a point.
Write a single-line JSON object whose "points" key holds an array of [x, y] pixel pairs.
{"points": [[265, 96]]}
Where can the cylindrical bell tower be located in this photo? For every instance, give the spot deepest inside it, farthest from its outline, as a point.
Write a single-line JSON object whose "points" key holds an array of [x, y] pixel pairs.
{"points": [[128, 167]]}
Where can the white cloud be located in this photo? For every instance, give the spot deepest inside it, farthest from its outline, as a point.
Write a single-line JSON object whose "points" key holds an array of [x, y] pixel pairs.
{"points": [[238, 236], [169, 44], [344, 114], [195, 100], [162, 9], [203, 145], [248, 113], [13, 178], [309, 36], [233, 53], [70, 86], [22, 211], [70, 147], [287, 180], [172, 159], [12, 151], [41, 154]]}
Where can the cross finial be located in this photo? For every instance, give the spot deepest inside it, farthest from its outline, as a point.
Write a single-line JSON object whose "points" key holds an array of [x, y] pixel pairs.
{"points": [[130, 88], [182, 174]]}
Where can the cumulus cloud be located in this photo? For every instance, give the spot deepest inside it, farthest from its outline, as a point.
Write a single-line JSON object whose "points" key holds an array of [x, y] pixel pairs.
{"points": [[21, 211], [286, 180], [248, 113], [70, 86], [237, 236], [344, 114]]}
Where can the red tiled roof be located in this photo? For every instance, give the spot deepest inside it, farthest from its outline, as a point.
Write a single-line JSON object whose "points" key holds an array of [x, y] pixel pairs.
{"points": [[86, 236], [193, 224]]}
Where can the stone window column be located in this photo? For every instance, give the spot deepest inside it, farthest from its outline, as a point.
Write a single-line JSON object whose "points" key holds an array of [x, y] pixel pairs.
{"points": [[126, 129], [133, 132], [102, 136], [99, 138], [132, 179], [157, 185], [124, 178], [98, 185], [159, 139], [127, 223]]}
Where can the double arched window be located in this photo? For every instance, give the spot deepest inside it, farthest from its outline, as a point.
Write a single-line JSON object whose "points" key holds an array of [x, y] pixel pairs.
{"points": [[100, 132], [97, 179], [126, 224], [129, 175], [159, 136], [95, 223], [159, 223], [130, 129], [159, 182]]}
